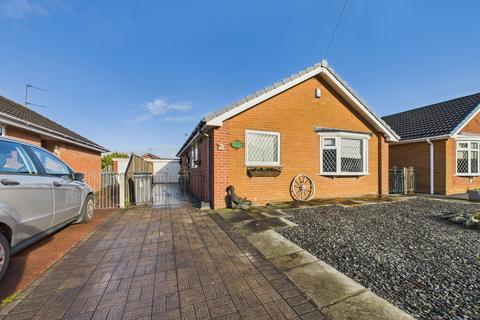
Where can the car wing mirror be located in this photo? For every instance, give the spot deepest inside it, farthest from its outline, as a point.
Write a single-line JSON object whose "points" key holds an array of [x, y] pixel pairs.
{"points": [[77, 176]]}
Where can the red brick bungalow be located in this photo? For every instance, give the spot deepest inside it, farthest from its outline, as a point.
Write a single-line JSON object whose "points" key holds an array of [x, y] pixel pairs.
{"points": [[442, 142], [310, 123], [22, 123]]}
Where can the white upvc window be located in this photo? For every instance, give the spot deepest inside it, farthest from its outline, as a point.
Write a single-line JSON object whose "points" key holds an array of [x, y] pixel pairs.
{"points": [[3, 131], [468, 158], [262, 148], [344, 154], [194, 155]]}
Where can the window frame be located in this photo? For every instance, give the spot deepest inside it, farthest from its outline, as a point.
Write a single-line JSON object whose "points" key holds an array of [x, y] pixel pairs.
{"points": [[338, 136], [262, 163], [469, 149], [4, 130], [40, 166]]}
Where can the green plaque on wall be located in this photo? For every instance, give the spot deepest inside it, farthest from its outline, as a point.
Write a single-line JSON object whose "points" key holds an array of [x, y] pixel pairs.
{"points": [[237, 144]]}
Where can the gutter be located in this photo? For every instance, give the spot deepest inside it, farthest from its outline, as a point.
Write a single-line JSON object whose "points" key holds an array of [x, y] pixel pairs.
{"points": [[445, 136]]}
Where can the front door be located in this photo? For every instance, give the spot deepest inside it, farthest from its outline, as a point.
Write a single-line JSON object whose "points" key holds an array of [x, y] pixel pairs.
{"points": [[24, 194], [66, 192]]}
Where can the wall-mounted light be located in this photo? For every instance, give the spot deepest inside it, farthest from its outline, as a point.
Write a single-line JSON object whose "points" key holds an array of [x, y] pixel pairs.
{"points": [[318, 93]]}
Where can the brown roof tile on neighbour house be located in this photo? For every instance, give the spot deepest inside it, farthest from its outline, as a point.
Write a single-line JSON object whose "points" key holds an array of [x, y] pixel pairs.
{"points": [[434, 120], [12, 109]]}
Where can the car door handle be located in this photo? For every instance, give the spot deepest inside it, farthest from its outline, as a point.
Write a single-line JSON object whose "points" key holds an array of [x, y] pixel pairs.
{"points": [[57, 184], [8, 182]]}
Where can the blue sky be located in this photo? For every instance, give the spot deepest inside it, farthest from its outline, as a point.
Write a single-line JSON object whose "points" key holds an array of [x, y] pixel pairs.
{"points": [[137, 75]]}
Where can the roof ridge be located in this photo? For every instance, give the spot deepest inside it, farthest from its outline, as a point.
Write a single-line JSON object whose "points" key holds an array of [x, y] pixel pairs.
{"points": [[430, 105]]}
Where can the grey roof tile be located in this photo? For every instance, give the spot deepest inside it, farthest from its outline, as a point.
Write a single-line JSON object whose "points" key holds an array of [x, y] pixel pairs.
{"points": [[433, 120]]}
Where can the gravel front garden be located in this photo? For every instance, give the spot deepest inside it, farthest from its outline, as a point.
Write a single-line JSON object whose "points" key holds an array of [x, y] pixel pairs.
{"points": [[402, 251]]}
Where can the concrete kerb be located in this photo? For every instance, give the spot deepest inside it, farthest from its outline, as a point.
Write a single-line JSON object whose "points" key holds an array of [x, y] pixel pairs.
{"points": [[337, 295]]}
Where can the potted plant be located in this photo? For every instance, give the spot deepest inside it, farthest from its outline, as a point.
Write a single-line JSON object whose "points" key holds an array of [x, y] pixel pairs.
{"points": [[474, 195]]}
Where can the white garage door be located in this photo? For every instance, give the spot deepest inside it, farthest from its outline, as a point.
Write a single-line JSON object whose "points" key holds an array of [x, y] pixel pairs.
{"points": [[166, 171]]}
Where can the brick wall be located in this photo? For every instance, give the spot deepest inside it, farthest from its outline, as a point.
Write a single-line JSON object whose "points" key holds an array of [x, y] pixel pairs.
{"points": [[415, 155], [458, 184], [294, 113], [454, 183], [80, 160], [198, 184], [23, 135]]}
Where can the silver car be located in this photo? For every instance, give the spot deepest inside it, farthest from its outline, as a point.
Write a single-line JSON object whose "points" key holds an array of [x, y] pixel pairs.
{"points": [[39, 194]]}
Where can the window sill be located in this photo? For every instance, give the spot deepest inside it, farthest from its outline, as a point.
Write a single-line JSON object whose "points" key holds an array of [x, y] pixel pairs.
{"points": [[466, 175], [342, 174]]}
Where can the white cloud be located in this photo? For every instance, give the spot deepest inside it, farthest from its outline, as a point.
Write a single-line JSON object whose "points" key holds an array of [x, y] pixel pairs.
{"points": [[160, 106], [18, 9], [180, 119]]}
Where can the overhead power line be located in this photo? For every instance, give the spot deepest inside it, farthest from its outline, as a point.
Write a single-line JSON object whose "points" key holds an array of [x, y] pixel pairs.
{"points": [[335, 30]]}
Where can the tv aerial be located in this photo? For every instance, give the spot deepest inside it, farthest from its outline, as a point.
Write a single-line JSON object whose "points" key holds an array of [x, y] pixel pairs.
{"points": [[27, 103]]}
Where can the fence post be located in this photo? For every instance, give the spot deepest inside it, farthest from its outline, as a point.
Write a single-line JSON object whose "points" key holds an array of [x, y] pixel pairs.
{"points": [[121, 196], [405, 180]]}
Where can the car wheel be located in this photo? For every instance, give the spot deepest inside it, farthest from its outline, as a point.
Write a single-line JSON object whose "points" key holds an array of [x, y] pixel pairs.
{"points": [[4, 255], [88, 209]]}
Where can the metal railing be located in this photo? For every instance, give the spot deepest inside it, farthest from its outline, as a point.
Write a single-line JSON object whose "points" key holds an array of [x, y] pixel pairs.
{"points": [[119, 190], [402, 180], [106, 187]]}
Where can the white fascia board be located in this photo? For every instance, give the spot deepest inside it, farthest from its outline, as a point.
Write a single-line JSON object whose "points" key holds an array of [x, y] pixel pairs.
{"points": [[218, 121], [347, 95], [9, 120]]}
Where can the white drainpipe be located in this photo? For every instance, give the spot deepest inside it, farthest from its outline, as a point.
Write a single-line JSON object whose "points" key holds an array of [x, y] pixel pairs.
{"points": [[431, 165], [208, 166]]}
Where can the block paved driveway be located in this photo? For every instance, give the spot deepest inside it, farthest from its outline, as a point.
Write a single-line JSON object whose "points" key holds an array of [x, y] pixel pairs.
{"points": [[164, 263]]}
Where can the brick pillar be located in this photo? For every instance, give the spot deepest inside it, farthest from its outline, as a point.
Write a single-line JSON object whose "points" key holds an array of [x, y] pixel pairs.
{"points": [[383, 174], [219, 166]]}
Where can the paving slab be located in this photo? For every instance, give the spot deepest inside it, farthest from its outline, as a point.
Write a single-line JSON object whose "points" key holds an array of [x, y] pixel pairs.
{"points": [[272, 244], [294, 260], [365, 306], [260, 225], [323, 283]]}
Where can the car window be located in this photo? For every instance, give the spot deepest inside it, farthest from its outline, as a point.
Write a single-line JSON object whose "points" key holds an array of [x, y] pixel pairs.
{"points": [[52, 165], [14, 159]]}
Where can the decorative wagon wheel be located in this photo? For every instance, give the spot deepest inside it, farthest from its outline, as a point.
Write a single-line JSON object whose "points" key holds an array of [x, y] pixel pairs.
{"points": [[302, 188]]}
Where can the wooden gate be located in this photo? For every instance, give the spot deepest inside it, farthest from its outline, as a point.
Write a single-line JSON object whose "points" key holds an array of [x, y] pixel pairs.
{"points": [[402, 180]]}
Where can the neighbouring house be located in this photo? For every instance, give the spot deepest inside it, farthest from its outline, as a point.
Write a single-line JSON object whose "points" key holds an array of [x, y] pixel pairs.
{"points": [[310, 123], [22, 123], [442, 142], [151, 156]]}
